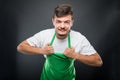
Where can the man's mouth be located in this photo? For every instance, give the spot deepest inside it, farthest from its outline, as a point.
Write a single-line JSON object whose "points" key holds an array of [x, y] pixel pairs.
{"points": [[62, 30]]}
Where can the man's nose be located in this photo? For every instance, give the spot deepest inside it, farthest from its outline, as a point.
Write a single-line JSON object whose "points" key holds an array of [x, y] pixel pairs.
{"points": [[62, 25]]}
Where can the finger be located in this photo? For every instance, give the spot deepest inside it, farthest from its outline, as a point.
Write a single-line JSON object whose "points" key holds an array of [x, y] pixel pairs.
{"points": [[71, 47], [49, 48], [67, 48], [47, 44]]}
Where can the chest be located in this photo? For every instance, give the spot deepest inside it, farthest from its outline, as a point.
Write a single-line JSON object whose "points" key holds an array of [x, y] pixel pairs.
{"points": [[60, 45]]}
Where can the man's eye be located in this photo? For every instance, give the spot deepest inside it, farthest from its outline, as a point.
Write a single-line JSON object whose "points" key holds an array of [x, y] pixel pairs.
{"points": [[67, 22], [58, 21]]}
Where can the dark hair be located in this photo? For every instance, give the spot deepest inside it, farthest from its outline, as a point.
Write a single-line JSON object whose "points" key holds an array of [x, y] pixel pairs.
{"points": [[63, 10]]}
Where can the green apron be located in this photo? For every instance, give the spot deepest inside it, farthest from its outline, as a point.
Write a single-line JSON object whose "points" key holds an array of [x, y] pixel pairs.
{"points": [[57, 66]]}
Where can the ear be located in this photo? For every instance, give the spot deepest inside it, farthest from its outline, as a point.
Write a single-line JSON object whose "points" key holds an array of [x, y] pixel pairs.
{"points": [[72, 23], [53, 21]]}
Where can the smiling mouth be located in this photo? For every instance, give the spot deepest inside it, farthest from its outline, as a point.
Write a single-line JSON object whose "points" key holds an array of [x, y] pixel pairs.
{"points": [[62, 30], [61, 34]]}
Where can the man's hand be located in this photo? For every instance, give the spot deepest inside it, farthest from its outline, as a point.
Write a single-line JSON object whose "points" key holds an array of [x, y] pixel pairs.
{"points": [[48, 49], [70, 52]]}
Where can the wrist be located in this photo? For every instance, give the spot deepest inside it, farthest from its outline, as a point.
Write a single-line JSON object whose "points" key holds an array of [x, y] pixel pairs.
{"points": [[76, 56], [42, 51]]}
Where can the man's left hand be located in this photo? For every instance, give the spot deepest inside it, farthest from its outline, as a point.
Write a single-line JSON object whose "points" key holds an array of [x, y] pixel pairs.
{"points": [[70, 52]]}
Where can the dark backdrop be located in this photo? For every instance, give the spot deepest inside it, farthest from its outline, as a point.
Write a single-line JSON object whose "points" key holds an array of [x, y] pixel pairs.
{"points": [[98, 20]]}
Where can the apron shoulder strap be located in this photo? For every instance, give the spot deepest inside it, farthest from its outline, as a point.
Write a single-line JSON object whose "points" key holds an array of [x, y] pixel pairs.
{"points": [[69, 41], [52, 39]]}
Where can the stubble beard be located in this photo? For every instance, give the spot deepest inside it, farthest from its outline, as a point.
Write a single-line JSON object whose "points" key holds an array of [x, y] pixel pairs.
{"points": [[62, 36]]}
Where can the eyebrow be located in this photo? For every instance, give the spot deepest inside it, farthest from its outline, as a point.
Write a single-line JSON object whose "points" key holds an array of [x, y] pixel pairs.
{"points": [[64, 21]]}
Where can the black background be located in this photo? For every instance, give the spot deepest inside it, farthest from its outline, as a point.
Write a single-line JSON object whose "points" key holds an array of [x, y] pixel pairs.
{"points": [[98, 20]]}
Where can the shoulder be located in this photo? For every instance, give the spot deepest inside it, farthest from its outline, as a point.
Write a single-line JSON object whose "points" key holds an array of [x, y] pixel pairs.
{"points": [[46, 32], [43, 34], [76, 35]]}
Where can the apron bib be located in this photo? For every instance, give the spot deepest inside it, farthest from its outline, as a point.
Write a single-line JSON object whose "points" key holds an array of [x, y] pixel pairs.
{"points": [[57, 66]]}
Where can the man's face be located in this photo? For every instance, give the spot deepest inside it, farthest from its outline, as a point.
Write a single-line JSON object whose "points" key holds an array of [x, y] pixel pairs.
{"points": [[62, 24]]}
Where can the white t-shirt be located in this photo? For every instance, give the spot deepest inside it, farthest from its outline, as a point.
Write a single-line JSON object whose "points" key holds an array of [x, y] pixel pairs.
{"points": [[78, 42]]}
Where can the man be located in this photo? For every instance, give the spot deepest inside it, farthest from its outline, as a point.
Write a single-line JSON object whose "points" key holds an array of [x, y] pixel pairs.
{"points": [[61, 46]]}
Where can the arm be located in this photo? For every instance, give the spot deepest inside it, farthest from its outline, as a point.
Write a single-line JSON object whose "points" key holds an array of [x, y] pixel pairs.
{"points": [[92, 60], [24, 47]]}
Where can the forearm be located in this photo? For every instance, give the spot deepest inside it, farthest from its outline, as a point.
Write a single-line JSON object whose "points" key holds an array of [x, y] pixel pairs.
{"points": [[24, 47], [91, 60]]}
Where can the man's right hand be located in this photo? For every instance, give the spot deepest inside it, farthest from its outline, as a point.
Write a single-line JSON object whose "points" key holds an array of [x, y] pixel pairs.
{"points": [[48, 49]]}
